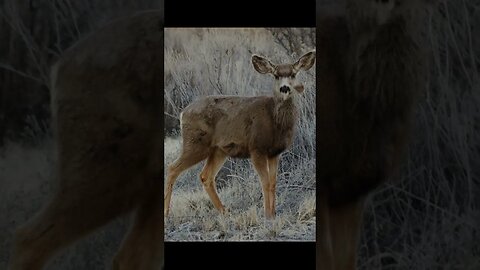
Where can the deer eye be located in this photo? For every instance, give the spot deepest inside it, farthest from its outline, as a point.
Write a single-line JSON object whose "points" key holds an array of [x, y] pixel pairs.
{"points": [[292, 76], [276, 77]]}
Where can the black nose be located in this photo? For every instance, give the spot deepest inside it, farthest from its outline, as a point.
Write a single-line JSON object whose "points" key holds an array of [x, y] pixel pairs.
{"points": [[284, 89]]}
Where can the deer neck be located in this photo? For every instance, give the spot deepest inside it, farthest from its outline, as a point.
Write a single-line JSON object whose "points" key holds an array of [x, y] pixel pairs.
{"points": [[386, 76], [284, 113]]}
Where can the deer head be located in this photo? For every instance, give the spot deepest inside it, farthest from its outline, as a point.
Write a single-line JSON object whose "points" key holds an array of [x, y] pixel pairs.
{"points": [[284, 74]]}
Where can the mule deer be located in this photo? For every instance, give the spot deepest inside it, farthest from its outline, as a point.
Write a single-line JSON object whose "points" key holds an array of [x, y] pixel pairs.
{"points": [[260, 128], [106, 102], [372, 72]]}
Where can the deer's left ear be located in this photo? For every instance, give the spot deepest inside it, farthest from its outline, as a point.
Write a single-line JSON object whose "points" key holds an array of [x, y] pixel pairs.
{"points": [[305, 62]]}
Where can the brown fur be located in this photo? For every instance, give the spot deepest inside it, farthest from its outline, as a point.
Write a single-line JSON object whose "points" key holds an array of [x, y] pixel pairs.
{"points": [[107, 108], [371, 73], [260, 128], [240, 125]]}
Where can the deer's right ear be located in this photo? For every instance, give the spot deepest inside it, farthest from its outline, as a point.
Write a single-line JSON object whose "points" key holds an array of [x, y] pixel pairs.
{"points": [[262, 65]]}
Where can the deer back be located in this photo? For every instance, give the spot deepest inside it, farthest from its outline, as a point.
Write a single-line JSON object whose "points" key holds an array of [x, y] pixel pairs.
{"points": [[106, 101]]}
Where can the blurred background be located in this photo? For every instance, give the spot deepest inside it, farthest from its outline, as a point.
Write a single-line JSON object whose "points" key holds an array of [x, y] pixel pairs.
{"points": [[217, 61], [428, 217], [33, 35]]}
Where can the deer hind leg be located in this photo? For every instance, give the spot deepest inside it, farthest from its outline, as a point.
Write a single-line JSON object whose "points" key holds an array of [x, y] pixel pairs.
{"points": [[260, 163], [345, 223], [272, 173], [208, 174], [185, 161], [143, 246], [324, 242], [35, 242], [64, 220]]}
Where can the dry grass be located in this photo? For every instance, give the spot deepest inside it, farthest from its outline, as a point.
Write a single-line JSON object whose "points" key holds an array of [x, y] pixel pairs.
{"points": [[429, 216], [193, 217]]}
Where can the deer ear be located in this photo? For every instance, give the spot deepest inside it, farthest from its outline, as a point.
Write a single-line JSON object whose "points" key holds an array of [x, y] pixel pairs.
{"points": [[305, 62], [299, 87], [262, 65]]}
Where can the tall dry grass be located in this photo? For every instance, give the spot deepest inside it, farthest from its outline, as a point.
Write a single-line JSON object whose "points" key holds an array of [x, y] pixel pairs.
{"points": [[428, 217]]}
